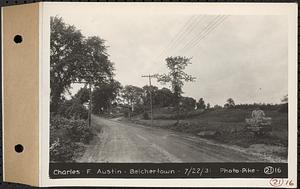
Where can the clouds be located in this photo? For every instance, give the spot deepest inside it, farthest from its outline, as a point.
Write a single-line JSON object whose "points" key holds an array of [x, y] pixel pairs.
{"points": [[245, 58]]}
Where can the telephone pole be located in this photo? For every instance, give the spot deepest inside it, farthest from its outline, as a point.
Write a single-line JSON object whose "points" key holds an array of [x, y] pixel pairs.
{"points": [[90, 102], [151, 106]]}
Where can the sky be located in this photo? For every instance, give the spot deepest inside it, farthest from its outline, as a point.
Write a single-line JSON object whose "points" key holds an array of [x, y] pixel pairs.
{"points": [[244, 57]]}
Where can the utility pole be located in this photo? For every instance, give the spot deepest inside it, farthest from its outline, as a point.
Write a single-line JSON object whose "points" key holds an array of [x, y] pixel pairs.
{"points": [[151, 106], [90, 103]]}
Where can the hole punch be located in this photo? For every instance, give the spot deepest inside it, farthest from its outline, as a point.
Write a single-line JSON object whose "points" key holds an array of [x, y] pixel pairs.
{"points": [[18, 39], [19, 148]]}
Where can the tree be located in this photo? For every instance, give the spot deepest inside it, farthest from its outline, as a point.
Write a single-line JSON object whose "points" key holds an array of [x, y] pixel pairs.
{"points": [[146, 94], [217, 107], [188, 103], [132, 95], [66, 47], [163, 97], [201, 104], [73, 59], [176, 77], [103, 96], [97, 68], [229, 103], [208, 106]]}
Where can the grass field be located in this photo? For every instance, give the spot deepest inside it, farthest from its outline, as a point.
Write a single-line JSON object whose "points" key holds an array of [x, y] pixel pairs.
{"points": [[228, 126]]}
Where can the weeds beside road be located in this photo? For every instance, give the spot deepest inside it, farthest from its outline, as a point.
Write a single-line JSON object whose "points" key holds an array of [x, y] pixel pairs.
{"points": [[68, 138]]}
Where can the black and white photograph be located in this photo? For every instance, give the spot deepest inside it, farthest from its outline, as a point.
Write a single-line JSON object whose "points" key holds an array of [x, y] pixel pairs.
{"points": [[168, 87]]}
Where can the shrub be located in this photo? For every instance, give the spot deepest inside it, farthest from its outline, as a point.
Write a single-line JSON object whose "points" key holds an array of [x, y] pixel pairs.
{"points": [[65, 151], [75, 130], [73, 109], [79, 131], [66, 136]]}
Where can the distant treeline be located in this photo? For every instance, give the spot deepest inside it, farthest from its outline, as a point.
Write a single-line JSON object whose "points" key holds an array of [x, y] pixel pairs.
{"points": [[261, 106], [280, 107]]}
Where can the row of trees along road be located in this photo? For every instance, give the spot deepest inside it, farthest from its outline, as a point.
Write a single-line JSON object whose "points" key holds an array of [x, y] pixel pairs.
{"points": [[76, 59]]}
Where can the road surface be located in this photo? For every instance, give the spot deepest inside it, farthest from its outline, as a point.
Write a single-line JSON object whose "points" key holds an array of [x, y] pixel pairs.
{"points": [[131, 143]]}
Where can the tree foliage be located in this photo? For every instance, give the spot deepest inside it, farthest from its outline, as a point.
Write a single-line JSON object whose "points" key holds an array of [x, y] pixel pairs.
{"points": [[208, 106], [176, 77], [201, 104], [147, 91], [65, 56], [160, 97], [103, 95], [229, 103], [72, 109], [132, 95], [74, 58], [217, 107], [188, 103], [261, 106], [163, 97], [97, 68]]}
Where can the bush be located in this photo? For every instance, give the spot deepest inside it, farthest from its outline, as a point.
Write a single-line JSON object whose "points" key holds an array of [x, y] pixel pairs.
{"points": [[79, 131], [65, 151], [73, 109], [66, 136], [75, 130]]}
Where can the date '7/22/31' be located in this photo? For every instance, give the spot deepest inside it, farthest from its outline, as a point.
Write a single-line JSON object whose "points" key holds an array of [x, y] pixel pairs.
{"points": [[196, 171]]}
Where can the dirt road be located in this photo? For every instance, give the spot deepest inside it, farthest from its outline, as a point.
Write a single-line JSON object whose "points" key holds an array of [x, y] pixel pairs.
{"points": [[131, 143]]}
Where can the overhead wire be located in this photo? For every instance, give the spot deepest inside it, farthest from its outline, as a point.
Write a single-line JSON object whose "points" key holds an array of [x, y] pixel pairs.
{"points": [[187, 28], [204, 34], [184, 37]]}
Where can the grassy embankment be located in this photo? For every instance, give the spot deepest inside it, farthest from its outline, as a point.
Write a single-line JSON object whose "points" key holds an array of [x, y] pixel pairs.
{"points": [[226, 126]]}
